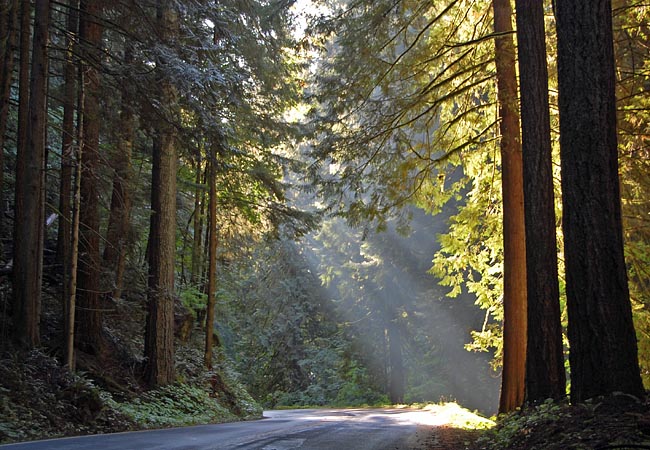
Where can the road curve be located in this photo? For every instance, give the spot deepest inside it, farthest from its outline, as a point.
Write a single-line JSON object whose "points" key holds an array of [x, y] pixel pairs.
{"points": [[326, 429]]}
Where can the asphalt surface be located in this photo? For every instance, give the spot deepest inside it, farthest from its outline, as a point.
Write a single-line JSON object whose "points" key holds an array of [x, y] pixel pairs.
{"points": [[331, 429]]}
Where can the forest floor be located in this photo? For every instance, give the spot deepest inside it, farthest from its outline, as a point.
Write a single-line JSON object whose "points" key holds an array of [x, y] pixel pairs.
{"points": [[618, 422], [39, 398]]}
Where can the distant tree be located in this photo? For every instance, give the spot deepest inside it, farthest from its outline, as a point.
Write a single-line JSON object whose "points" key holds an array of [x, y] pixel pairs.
{"points": [[514, 247], [601, 333], [67, 136], [545, 372], [28, 242], [120, 209], [159, 332], [212, 257]]}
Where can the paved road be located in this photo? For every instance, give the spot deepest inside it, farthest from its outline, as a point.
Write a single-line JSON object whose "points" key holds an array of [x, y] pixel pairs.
{"points": [[332, 429]]}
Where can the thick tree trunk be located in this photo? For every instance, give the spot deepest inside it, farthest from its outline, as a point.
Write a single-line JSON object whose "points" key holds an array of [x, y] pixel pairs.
{"points": [[8, 39], [90, 316], [603, 343], [118, 222], [159, 335], [212, 263], [514, 240], [28, 255], [545, 373]]}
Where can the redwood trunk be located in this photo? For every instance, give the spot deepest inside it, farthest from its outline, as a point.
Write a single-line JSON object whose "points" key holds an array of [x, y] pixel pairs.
{"points": [[545, 373], [90, 316], [28, 269], [514, 243], [159, 334], [603, 343]]}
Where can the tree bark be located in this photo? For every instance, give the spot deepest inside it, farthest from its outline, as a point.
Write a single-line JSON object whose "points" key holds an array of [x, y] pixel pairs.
{"points": [[545, 373], [159, 334], [28, 254], [90, 316], [514, 241], [601, 333]]}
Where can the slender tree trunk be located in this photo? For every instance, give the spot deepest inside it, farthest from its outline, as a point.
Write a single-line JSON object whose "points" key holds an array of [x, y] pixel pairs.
{"points": [[397, 378], [73, 256], [89, 313], [514, 240], [67, 139], [63, 243], [212, 262], [545, 373], [159, 334], [8, 39], [28, 259], [603, 343], [118, 222]]}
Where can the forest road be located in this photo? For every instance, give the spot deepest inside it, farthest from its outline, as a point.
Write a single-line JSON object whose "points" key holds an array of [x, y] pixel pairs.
{"points": [[307, 429]]}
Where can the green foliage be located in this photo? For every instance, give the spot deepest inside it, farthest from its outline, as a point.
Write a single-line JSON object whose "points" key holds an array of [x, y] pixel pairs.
{"points": [[517, 424], [193, 299], [557, 426], [40, 399], [174, 405]]}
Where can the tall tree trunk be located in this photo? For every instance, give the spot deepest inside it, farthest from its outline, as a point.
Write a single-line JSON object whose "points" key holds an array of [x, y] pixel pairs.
{"points": [[212, 262], [73, 256], [64, 251], [67, 139], [514, 240], [8, 39], [118, 221], [545, 373], [90, 317], [603, 343], [159, 335], [21, 145], [28, 255]]}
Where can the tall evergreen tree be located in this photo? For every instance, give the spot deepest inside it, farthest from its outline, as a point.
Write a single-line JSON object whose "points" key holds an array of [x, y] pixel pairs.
{"points": [[545, 373], [601, 333], [28, 251], [514, 242], [159, 333], [89, 313]]}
